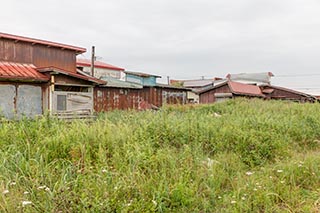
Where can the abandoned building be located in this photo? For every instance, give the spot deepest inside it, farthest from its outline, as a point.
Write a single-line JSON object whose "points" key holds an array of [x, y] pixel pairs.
{"points": [[38, 76]]}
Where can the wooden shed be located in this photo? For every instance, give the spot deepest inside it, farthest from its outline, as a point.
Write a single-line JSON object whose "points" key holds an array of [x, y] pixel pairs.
{"points": [[38, 75], [281, 93], [227, 90]]}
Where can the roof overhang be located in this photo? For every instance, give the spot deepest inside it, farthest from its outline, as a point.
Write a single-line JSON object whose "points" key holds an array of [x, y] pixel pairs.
{"points": [[54, 71]]}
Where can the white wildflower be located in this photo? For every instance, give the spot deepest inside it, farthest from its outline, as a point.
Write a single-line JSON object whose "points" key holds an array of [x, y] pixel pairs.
{"points": [[279, 170], [104, 170], [255, 189], [282, 181], [26, 202], [270, 177], [26, 192], [216, 115], [47, 189], [219, 197], [210, 162], [6, 191], [249, 173], [243, 198], [12, 183], [233, 201], [154, 202], [42, 187]]}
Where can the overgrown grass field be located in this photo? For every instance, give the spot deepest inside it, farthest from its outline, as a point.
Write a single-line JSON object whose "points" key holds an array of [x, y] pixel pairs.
{"points": [[236, 156]]}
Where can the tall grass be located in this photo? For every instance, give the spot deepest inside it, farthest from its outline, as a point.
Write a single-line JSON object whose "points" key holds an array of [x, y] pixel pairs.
{"points": [[236, 156]]}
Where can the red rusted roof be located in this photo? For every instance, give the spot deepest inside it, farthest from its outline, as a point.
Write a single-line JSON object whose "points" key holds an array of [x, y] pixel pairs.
{"points": [[20, 72], [98, 64], [72, 74], [238, 89], [244, 89], [43, 42]]}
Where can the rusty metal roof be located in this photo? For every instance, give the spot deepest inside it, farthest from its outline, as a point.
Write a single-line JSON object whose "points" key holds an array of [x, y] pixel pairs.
{"points": [[98, 64], [72, 74], [238, 89], [244, 89], [20, 72], [43, 42]]}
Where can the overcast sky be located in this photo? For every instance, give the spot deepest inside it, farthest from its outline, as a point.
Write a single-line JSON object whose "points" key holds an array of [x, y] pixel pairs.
{"points": [[183, 39]]}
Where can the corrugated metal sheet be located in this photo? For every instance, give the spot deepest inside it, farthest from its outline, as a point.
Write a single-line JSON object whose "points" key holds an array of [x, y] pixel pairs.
{"points": [[244, 89], [21, 72], [108, 98], [7, 103], [29, 101], [21, 99]]}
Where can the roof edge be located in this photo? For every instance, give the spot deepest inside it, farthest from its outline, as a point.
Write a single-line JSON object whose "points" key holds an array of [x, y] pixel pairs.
{"points": [[42, 42]]}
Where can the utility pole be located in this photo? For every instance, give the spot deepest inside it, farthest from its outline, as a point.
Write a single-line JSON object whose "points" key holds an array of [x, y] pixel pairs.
{"points": [[168, 79], [92, 60]]}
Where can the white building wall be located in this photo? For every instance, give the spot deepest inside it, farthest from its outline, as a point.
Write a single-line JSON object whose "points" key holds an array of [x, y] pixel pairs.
{"points": [[102, 72]]}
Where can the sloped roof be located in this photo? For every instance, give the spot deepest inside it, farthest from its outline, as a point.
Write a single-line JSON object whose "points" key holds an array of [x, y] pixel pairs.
{"points": [[244, 89], [20, 72], [98, 64], [72, 74], [285, 89], [238, 89], [43, 42], [141, 74]]}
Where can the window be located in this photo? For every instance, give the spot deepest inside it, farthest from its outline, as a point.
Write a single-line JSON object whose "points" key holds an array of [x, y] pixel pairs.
{"points": [[61, 102]]}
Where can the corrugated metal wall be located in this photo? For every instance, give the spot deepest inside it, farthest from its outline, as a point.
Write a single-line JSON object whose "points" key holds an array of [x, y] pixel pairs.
{"points": [[21, 100], [7, 102], [108, 98]]}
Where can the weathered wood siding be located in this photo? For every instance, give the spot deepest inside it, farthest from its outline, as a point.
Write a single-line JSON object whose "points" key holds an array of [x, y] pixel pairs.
{"points": [[209, 97], [286, 95], [37, 54]]}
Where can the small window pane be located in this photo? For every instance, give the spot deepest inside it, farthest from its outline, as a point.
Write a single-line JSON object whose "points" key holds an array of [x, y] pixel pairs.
{"points": [[61, 102]]}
